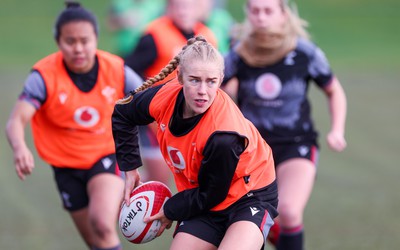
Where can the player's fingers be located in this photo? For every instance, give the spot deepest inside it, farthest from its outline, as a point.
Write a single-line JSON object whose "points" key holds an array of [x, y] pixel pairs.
{"points": [[27, 166], [161, 230], [22, 168], [127, 194], [20, 174], [152, 218], [30, 162], [338, 145]]}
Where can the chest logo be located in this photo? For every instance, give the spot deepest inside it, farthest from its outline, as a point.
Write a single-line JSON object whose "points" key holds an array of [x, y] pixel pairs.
{"points": [[176, 158], [86, 116], [268, 86], [289, 59], [62, 97], [109, 93]]}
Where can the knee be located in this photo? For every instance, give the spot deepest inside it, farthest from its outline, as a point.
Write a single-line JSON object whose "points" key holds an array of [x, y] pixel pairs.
{"points": [[101, 228], [289, 215]]}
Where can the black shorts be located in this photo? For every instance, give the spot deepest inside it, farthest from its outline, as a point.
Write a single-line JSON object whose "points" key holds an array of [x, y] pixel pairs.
{"points": [[258, 206], [72, 183], [285, 151]]}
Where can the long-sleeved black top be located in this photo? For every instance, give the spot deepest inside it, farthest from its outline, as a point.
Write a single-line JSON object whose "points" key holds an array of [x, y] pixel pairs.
{"points": [[221, 154]]}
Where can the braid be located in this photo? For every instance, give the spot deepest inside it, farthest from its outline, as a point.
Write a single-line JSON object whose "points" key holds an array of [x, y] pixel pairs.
{"points": [[170, 67], [173, 64]]}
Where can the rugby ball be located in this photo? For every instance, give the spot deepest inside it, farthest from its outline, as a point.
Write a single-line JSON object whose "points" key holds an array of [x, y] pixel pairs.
{"points": [[146, 200]]}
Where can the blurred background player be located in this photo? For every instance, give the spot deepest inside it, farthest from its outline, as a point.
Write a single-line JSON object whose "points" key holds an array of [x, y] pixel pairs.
{"points": [[127, 20], [274, 63], [69, 96], [214, 15], [162, 40]]}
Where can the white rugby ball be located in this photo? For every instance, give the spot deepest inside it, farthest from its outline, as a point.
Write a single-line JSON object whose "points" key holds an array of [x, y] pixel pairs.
{"points": [[146, 200]]}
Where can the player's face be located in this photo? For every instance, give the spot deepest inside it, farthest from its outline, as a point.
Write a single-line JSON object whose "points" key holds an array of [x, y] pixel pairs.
{"points": [[78, 44], [201, 81], [265, 14], [183, 13]]}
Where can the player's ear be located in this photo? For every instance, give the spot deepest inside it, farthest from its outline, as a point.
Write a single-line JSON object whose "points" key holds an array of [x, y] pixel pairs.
{"points": [[180, 78], [222, 78]]}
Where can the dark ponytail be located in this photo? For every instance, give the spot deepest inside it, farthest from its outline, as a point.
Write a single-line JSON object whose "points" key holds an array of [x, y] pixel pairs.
{"points": [[74, 12]]}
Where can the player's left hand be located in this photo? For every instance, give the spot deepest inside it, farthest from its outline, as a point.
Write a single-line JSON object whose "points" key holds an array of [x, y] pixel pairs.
{"points": [[165, 222], [336, 141]]}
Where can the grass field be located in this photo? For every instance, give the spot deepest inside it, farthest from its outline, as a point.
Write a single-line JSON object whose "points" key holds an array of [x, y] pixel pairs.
{"points": [[356, 200]]}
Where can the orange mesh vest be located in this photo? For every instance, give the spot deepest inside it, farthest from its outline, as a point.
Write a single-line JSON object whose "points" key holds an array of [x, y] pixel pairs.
{"points": [[184, 154], [169, 42], [73, 128]]}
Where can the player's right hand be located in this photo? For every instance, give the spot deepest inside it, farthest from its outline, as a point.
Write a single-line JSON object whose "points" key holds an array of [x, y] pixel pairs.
{"points": [[24, 163], [132, 180]]}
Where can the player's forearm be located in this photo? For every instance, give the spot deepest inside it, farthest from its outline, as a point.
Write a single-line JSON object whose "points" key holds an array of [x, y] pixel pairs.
{"points": [[338, 108], [15, 133]]}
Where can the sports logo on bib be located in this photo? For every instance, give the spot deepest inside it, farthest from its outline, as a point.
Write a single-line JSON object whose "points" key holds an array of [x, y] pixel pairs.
{"points": [[268, 86], [176, 158], [62, 97], [86, 116], [109, 93]]}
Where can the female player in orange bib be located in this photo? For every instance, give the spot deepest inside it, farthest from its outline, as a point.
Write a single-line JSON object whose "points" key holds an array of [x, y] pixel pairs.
{"points": [[223, 169], [70, 96]]}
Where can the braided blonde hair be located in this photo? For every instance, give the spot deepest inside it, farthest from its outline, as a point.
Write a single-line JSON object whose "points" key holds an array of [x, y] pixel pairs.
{"points": [[195, 48]]}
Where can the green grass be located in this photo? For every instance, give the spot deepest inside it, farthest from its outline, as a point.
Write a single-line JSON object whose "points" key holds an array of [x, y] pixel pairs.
{"points": [[355, 202]]}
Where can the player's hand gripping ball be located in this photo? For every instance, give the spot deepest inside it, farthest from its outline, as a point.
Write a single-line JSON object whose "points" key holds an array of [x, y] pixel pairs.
{"points": [[146, 200]]}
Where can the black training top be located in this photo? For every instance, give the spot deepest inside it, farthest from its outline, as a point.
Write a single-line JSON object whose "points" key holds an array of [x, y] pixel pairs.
{"points": [[222, 149]]}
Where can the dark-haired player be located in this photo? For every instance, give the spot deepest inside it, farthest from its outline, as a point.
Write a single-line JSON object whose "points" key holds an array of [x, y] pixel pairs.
{"points": [[69, 96]]}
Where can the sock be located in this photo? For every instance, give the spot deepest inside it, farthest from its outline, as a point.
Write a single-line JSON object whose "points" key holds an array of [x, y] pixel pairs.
{"points": [[117, 247], [291, 238], [274, 233]]}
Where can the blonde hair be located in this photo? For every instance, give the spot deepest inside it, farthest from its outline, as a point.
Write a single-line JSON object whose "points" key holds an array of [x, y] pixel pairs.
{"points": [[196, 48], [296, 24]]}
